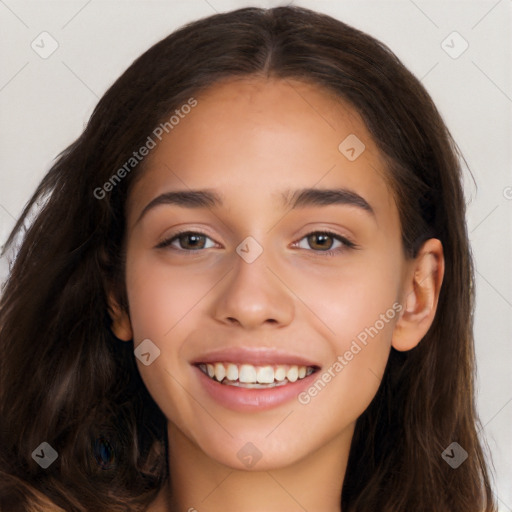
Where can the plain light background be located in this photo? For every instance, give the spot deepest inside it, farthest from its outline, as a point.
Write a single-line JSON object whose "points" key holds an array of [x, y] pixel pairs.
{"points": [[45, 103]]}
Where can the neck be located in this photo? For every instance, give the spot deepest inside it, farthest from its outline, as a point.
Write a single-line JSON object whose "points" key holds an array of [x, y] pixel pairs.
{"points": [[201, 484]]}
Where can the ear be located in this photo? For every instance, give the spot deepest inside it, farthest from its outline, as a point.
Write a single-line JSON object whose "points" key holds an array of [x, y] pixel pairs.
{"points": [[420, 296], [121, 325]]}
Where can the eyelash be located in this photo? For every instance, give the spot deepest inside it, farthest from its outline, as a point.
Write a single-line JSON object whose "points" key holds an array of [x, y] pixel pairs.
{"points": [[330, 252]]}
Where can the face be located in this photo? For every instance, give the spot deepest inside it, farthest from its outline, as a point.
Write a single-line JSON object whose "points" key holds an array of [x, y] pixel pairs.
{"points": [[288, 296]]}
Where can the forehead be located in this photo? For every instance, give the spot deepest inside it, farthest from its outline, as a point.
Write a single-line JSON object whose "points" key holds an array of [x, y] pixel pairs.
{"points": [[257, 137]]}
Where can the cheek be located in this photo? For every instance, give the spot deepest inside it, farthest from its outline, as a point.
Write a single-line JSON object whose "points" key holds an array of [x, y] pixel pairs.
{"points": [[163, 302], [359, 351], [161, 295], [352, 297], [166, 304], [359, 307]]}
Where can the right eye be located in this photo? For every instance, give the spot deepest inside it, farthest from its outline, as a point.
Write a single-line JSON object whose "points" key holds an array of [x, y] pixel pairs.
{"points": [[187, 241]]}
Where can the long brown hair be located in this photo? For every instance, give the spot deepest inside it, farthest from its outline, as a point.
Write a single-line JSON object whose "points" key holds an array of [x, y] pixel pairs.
{"points": [[66, 380]]}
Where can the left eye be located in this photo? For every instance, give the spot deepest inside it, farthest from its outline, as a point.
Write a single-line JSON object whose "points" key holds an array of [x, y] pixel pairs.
{"points": [[325, 241]]}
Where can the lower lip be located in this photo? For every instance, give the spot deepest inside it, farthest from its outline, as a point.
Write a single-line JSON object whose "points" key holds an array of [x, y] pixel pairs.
{"points": [[244, 399]]}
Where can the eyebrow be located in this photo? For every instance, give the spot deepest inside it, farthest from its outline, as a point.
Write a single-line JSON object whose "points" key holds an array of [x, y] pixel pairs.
{"points": [[293, 199], [302, 198]]}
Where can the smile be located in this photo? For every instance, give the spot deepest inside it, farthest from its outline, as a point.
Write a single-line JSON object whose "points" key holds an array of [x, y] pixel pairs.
{"points": [[255, 377]]}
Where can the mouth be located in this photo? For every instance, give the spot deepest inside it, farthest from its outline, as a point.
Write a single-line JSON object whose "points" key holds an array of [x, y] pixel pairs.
{"points": [[251, 376], [253, 379]]}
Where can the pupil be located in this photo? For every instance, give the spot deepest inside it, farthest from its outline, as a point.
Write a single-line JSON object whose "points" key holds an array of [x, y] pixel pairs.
{"points": [[191, 237], [324, 238]]}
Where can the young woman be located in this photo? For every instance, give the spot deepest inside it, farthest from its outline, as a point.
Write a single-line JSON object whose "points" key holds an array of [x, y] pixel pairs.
{"points": [[247, 286]]}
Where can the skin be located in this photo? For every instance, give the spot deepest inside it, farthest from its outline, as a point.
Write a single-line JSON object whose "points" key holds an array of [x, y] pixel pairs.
{"points": [[249, 140]]}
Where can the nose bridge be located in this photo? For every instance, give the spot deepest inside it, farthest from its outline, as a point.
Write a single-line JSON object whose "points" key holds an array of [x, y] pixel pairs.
{"points": [[253, 295]]}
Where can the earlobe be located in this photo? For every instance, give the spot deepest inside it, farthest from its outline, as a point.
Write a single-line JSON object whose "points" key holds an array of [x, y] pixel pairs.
{"points": [[421, 296], [121, 325]]}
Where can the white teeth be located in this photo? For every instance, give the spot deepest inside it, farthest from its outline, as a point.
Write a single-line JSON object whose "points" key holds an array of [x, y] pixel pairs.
{"points": [[250, 376], [232, 372], [247, 373], [265, 375], [220, 371], [280, 373], [293, 374]]}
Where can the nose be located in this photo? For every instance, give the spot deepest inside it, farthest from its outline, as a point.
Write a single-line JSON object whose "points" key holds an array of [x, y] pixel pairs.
{"points": [[252, 296]]}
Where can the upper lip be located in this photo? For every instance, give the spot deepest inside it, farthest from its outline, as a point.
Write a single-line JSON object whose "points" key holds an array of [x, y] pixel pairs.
{"points": [[254, 356]]}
